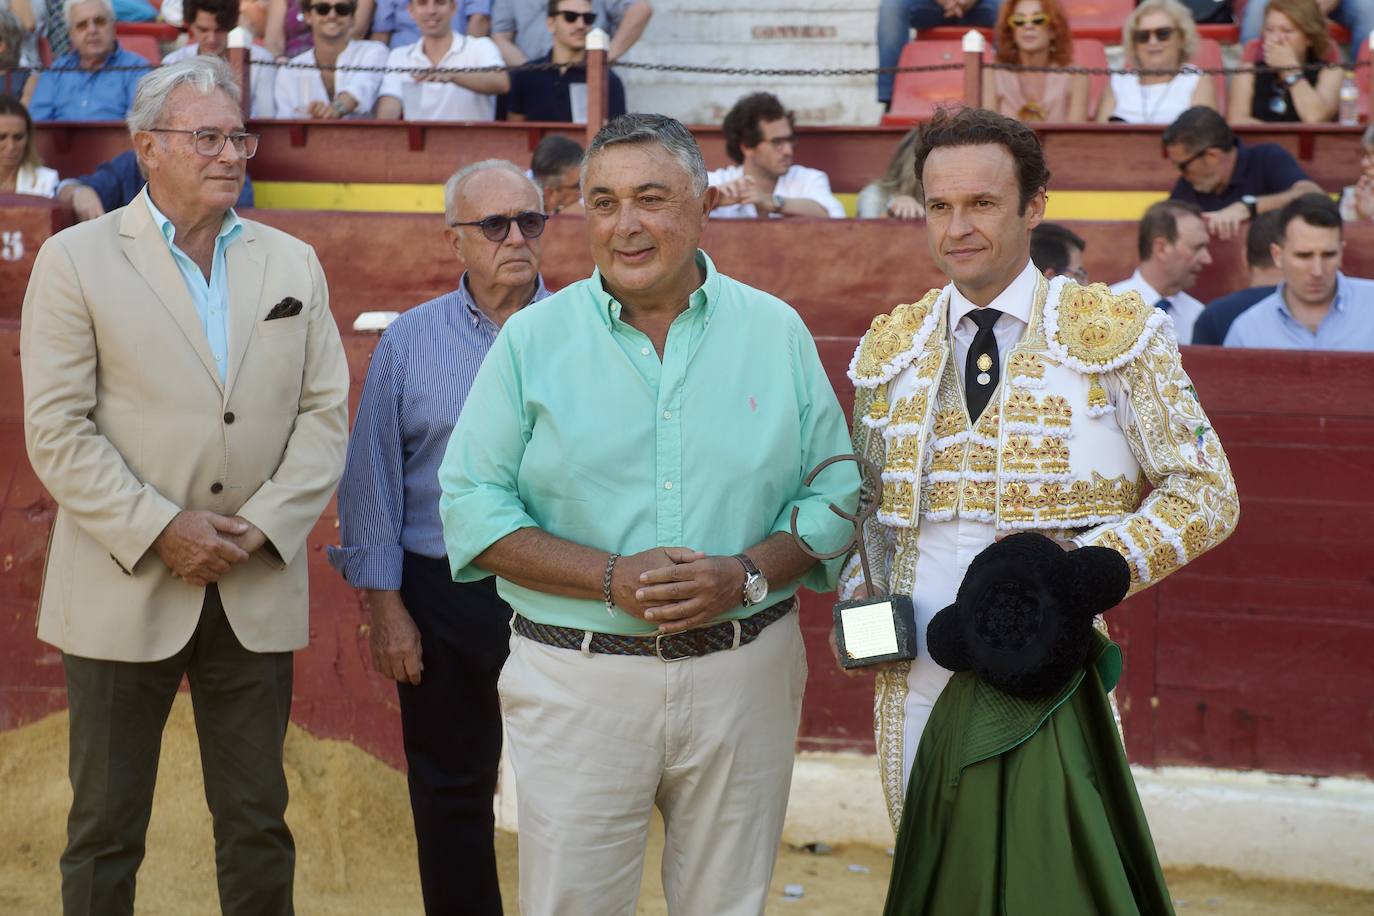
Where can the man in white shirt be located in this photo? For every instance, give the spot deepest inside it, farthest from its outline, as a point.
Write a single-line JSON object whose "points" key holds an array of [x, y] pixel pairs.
{"points": [[1173, 250], [427, 94], [319, 91], [761, 138], [208, 24]]}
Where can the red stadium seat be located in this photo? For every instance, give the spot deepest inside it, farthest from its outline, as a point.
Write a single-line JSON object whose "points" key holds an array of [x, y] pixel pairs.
{"points": [[1098, 14], [916, 95], [1208, 57], [144, 46], [1088, 52], [158, 31], [1363, 71]]}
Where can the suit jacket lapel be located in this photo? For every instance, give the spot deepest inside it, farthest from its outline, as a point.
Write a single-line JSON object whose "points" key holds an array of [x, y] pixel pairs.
{"points": [[147, 251], [245, 263]]}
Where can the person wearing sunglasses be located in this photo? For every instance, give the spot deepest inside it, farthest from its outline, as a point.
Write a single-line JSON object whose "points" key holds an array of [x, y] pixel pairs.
{"points": [[1035, 34], [1229, 180], [561, 94], [1286, 79], [317, 89], [208, 24], [96, 80], [766, 181], [1158, 36], [186, 405], [443, 642], [426, 81], [520, 30]]}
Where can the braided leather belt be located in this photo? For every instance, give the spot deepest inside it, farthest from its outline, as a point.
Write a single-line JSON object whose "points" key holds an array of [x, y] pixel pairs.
{"points": [[670, 647]]}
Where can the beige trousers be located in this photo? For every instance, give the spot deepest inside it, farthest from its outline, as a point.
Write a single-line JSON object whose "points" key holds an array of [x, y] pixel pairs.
{"points": [[597, 741]]}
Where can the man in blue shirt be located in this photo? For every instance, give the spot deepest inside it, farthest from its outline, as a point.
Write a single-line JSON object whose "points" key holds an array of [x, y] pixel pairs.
{"points": [[443, 642], [561, 94], [1230, 182], [96, 80], [116, 182], [1316, 307], [1215, 321], [394, 27]]}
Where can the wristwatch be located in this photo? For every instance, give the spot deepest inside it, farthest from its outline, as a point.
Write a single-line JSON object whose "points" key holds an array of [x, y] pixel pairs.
{"points": [[755, 585], [1251, 203], [777, 203], [1291, 79]]}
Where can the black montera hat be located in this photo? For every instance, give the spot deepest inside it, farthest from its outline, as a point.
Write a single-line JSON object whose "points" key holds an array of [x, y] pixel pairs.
{"points": [[1022, 620]]}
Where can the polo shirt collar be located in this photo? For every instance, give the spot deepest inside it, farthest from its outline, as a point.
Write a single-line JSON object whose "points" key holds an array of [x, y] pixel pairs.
{"points": [[1015, 300], [704, 297]]}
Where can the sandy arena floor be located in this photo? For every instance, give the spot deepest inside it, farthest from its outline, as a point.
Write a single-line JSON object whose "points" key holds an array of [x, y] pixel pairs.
{"points": [[351, 820]]}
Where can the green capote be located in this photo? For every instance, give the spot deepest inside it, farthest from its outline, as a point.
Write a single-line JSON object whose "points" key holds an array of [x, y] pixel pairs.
{"points": [[1025, 808]]}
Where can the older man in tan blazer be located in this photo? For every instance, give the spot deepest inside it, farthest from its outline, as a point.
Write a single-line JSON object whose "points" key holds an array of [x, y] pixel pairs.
{"points": [[185, 402]]}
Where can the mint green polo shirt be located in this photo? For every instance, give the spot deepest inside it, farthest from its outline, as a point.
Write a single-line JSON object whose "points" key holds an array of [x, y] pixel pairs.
{"points": [[575, 426]]}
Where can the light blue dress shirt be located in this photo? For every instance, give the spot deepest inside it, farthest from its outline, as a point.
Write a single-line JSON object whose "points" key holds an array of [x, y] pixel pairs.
{"points": [[211, 297], [1348, 325], [68, 93]]}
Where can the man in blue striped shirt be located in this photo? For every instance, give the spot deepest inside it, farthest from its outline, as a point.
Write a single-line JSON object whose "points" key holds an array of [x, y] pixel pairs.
{"points": [[1316, 307], [443, 642]]}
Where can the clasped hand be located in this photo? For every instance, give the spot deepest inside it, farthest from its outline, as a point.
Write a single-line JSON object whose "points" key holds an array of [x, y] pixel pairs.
{"points": [[200, 547], [676, 587]]}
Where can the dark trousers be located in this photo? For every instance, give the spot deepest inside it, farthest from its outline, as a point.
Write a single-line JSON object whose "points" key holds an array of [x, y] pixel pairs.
{"points": [[242, 702], [451, 725]]}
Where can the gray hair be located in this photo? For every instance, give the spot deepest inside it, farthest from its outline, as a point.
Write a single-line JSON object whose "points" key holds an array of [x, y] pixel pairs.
{"points": [[652, 128], [1183, 21], [203, 72], [454, 185], [69, 5], [12, 37]]}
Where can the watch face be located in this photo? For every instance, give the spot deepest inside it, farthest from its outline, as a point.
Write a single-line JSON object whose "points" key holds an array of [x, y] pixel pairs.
{"points": [[756, 589]]}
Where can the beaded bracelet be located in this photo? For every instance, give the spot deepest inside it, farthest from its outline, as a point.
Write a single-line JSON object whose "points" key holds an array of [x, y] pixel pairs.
{"points": [[606, 584]]}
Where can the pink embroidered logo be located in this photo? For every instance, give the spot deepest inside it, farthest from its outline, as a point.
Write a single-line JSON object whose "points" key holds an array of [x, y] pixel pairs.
{"points": [[753, 404]]}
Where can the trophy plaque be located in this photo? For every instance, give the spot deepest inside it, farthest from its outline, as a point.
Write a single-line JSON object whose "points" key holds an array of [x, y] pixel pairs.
{"points": [[880, 627]]}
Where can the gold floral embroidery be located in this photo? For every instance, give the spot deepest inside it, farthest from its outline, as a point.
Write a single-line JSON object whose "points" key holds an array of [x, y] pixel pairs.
{"points": [[897, 498], [911, 409], [1097, 395], [877, 408], [979, 496], [1054, 502], [1096, 326], [982, 458], [891, 335], [1162, 560], [1054, 455], [1196, 538], [948, 423], [1018, 454], [1022, 407], [902, 452], [1023, 364], [1055, 411], [949, 458], [929, 364], [1173, 510], [942, 496], [1112, 540]]}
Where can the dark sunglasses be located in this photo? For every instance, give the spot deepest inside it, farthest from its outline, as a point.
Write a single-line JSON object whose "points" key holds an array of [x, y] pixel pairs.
{"points": [[1183, 166], [571, 17], [496, 228], [342, 10], [1161, 34]]}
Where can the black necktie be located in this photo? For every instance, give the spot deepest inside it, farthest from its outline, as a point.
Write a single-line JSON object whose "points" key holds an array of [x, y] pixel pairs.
{"points": [[982, 366], [1164, 305]]}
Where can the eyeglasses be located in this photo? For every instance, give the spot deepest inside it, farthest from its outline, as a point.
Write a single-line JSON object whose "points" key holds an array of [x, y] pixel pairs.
{"points": [[570, 17], [1161, 34], [342, 10], [209, 141], [1021, 22], [497, 227], [1183, 166]]}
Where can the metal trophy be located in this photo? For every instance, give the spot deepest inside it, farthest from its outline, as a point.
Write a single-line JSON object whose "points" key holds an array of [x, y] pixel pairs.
{"points": [[881, 627]]}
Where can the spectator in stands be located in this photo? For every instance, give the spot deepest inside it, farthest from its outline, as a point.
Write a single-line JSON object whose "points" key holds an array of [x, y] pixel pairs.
{"points": [[287, 31], [1056, 250], [1172, 243], [393, 25], [556, 167], [208, 24], [1292, 84], [32, 19], [320, 91], [1355, 15], [1158, 35], [89, 83], [561, 94], [16, 75], [1212, 326], [1230, 181], [519, 30], [1035, 33], [115, 184], [898, 193], [1357, 200], [21, 171], [896, 19], [761, 138], [422, 93], [1316, 306]]}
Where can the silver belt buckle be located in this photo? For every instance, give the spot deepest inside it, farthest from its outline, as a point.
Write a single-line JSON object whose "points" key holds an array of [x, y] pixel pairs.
{"points": [[658, 648]]}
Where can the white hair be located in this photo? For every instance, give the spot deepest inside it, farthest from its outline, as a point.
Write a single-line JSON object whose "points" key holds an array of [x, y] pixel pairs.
{"points": [[652, 128], [69, 5], [454, 185], [203, 72]]}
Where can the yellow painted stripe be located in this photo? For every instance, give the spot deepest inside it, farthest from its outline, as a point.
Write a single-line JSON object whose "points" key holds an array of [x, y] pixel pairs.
{"points": [[429, 198]]}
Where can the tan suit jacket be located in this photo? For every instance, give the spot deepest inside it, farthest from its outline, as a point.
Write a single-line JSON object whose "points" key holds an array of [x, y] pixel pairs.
{"points": [[127, 423]]}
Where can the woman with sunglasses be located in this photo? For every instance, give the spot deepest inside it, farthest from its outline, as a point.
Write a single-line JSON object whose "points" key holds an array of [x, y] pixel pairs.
{"points": [[1035, 34], [1159, 38], [317, 90], [1288, 81]]}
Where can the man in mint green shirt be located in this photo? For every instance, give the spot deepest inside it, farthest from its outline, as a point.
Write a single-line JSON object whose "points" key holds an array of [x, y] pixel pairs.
{"points": [[627, 465]]}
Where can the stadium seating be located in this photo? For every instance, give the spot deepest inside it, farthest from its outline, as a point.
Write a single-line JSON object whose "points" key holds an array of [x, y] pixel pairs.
{"points": [[144, 46], [916, 95], [1364, 68], [1208, 57], [1089, 52]]}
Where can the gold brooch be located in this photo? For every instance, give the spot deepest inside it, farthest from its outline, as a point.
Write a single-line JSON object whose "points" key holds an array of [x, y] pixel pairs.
{"points": [[984, 363]]}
